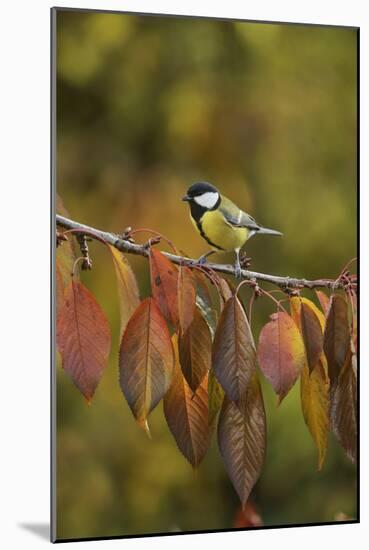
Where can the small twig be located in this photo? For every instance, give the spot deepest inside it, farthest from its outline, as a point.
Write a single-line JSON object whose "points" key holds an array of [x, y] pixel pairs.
{"points": [[132, 248]]}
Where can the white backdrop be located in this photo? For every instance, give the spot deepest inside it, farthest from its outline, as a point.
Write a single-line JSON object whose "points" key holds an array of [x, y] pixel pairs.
{"points": [[24, 271]]}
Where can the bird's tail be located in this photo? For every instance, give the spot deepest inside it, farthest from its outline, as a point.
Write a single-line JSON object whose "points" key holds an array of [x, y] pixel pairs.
{"points": [[266, 231]]}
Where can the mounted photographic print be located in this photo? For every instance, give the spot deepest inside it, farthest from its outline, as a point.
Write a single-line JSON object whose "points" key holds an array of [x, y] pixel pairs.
{"points": [[204, 183]]}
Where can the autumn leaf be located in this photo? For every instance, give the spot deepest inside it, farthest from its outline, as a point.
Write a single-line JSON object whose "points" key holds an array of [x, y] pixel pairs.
{"points": [[216, 396], [187, 414], [323, 300], [225, 291], [186, 291], [164, 285], [314, 386], [242, 438], [247, 517], [234, 354], [128, 292], [336, 336], [343, 411], [60, 287], [203, 300], [195, 351], [312, 334], [314, 392], [281, 353], [83, 338], [146, 360]]}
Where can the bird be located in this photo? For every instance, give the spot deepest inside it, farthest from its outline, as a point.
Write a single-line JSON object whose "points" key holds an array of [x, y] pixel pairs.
{"points": [[223, 225]]}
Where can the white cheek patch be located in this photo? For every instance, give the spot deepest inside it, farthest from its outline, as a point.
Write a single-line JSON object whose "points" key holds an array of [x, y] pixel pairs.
{"points": [[208, 199]]}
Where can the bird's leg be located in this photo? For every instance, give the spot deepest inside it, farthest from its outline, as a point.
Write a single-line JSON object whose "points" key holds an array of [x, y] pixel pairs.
{"points": [[203, 259], [237, 265], [244, 260]]}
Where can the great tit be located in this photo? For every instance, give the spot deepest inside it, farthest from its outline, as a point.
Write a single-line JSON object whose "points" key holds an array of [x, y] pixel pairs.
{"points": [[220, 222]]}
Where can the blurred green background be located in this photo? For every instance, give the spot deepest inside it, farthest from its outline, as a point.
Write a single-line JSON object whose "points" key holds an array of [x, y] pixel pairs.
{"points": [[266, 112]]}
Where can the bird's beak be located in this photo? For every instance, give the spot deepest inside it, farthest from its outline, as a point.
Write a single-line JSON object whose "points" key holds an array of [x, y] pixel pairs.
{"points": [[186, 198]]}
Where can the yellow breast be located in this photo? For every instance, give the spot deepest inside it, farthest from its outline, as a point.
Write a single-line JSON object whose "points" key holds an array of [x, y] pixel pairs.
{"points": [[219, 234]]}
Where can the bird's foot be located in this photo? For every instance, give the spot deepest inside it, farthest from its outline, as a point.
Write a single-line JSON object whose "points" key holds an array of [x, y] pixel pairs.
{"points": [[245, 261], [237, 270], [202, 260]]}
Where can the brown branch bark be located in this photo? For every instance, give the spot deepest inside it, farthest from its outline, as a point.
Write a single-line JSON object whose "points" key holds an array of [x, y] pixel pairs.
{"points": [[285, 283]]}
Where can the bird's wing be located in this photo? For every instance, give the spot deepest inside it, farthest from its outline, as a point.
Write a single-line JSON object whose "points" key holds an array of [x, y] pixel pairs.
{"points": [[236, 217]]}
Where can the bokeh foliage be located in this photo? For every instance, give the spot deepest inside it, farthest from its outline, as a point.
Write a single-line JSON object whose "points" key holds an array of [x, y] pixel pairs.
{"points": [[266, 112]]}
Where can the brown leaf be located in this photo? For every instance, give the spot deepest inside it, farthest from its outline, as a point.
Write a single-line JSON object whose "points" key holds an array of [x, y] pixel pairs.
{"points": [[186, 297], [164, 285], [336, 336], [323, 300], [203, 300], [312, 335], [83, 338], [195, 351], [146, 360], [281, 353], [242, 438], [225, 291], [187, 414], [129, 297], [216, 396], [343, 411], [314, 392], [234, 354]]}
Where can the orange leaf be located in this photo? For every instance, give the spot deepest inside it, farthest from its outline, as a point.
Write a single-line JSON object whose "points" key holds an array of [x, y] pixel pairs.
{"points": [[187, 414], [83, 338], [128, 292], [164, 285], [281, 353], [247, 517], [336, 336], [195, 351], [242, 437], [234, 354], [146, 360], [186, 297]]}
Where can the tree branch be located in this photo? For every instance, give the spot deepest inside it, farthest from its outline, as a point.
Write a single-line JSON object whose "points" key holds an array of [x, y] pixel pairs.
{"points": [[285, 283]]}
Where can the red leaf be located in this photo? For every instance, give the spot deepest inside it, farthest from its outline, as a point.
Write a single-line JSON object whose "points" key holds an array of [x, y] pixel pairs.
{"points": [[83, 338], [242, 437], [164, 285], [187, 415], [281, 353], [146, 360], [234, 354], [336, 336], [186, 297], [195, 351]]}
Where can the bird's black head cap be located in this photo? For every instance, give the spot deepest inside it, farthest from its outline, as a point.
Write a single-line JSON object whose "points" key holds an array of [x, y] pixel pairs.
{"points": [[201, 187]]}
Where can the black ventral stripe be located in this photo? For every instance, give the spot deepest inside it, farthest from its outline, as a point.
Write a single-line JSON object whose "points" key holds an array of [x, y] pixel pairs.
{"points": [[199, 227]]}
